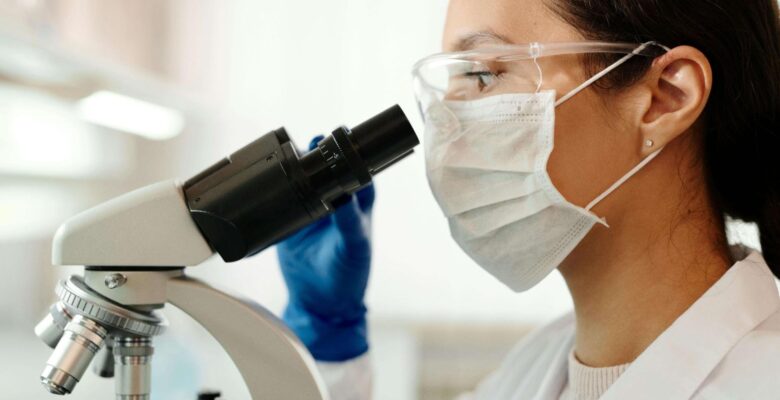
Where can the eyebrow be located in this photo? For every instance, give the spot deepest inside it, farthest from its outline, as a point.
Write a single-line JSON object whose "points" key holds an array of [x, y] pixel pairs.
{"points": [[475, 39]]}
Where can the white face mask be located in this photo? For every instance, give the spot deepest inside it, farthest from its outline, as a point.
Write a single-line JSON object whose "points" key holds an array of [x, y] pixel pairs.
{"points": [[486, 163]]}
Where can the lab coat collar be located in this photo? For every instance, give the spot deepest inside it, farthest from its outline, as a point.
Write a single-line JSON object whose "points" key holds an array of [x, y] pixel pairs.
{"points": [[554, 380], [677, 362]]}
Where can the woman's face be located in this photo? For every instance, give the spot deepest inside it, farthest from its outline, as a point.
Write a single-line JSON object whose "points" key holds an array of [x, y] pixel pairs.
{"points": [[593, 146]]}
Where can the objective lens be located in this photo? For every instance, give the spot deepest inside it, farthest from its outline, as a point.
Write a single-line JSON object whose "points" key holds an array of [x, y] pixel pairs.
{"points": [[103, 365], [132, 357], [52, 326], [79, 343]]}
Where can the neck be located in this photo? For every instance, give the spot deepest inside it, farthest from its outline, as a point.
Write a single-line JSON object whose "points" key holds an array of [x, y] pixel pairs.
{"points": [[631, 281]]}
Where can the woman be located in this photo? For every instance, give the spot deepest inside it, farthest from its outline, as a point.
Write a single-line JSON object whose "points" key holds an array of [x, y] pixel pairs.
{"points": [[609, 139]]}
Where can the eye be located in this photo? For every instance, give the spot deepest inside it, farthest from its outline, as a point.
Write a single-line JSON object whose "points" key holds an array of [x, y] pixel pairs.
{"points": [[470, 81], [484, 79]]}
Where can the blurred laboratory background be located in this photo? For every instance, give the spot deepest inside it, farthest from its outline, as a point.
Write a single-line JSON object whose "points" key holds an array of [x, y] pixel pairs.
{"points": [[98, 97]]}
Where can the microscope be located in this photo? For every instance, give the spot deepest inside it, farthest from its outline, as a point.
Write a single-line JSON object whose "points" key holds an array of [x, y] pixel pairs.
{"points": [[135, 249]]}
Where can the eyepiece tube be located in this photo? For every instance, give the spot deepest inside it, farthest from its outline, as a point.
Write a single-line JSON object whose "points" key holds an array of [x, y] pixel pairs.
{"points": [[384, 139], [266, 191]]}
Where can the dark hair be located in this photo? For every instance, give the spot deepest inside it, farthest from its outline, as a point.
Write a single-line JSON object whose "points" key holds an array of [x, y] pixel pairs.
{"points": [[741, 138]]}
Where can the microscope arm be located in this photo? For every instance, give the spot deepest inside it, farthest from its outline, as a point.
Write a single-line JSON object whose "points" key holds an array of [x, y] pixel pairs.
{"points": [[272, 361]]}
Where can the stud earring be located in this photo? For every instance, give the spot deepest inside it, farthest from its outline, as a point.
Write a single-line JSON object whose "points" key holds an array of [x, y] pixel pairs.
{"points": [[649, 143]]}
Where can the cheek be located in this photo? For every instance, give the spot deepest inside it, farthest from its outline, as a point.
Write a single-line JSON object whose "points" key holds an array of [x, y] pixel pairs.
{"points": [[591, 150]]}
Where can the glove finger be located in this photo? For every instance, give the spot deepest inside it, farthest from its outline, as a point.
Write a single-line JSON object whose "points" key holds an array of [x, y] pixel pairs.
{"points": [[349, 221], [365, 198], [314, 141]]}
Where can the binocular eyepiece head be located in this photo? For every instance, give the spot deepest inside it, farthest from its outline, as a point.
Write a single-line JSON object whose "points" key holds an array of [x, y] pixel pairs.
{"points": [[266, 191]]}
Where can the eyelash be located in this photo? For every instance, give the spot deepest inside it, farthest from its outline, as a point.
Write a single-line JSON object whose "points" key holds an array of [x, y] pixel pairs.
{"points": [[481, 74]]}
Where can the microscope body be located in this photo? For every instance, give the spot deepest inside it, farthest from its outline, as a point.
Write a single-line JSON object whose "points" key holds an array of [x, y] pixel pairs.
{"points": [[131, 246], [135, 249]]}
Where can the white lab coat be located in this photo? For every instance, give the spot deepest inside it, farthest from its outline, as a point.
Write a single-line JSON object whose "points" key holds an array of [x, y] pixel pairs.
{"points": [[725, 346]]}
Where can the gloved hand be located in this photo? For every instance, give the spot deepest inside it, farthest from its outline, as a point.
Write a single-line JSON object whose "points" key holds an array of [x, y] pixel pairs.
{"points": [[326, 267]]}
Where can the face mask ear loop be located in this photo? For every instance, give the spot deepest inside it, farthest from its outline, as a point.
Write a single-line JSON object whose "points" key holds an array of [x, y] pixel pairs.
{"points": [[623, 180], [601, 74], [536, 49]]}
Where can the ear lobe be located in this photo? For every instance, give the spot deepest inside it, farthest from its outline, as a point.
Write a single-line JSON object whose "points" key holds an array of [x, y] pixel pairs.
{"points": [[680, 83]]}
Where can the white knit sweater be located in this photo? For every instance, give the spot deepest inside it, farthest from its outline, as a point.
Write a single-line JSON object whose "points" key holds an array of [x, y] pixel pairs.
{"points": [[588, 383]]}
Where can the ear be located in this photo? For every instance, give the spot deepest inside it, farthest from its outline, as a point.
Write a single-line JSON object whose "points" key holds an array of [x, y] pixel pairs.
{"points": [[677, 87]]}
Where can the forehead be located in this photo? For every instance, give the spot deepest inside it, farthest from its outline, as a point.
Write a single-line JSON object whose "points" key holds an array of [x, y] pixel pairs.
{"points": [[516, 21]]}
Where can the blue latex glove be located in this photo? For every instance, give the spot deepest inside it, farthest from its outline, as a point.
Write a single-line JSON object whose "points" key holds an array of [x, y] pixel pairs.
{"points": [[326, 267]]}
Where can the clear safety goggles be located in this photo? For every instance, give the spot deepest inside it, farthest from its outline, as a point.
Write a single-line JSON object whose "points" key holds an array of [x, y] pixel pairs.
{"points": [[522, 68]]}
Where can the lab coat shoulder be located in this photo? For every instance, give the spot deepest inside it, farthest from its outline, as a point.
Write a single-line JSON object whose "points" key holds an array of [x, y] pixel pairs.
{"points": [[750, 370], [532, 362], [725, 346], [531, 365]]}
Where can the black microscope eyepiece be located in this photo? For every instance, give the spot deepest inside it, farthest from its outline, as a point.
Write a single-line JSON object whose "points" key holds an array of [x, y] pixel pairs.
{"points": [[384, 139], [265, 191], [348, 159]]}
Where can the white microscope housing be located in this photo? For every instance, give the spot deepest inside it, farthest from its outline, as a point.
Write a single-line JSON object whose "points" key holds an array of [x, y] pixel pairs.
{"points": [[146, 228], [134, 248]]}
